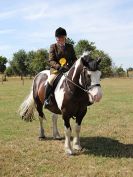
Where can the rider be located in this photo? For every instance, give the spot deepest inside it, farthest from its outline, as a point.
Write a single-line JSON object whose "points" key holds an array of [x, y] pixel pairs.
{"points": [[60, 50]]}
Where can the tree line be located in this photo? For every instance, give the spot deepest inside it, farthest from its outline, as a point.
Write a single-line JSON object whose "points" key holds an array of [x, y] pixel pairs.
{"points": [[32, 62]]}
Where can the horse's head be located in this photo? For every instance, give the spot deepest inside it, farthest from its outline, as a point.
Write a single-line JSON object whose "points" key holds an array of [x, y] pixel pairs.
{"points": [[90, 77]]}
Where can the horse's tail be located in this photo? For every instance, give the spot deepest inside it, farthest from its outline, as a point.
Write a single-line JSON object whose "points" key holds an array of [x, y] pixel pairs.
{"points": [[27, 108]]}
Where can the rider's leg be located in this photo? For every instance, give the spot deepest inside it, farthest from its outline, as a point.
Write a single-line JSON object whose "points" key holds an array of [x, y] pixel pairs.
{"points": [[48, 88]]}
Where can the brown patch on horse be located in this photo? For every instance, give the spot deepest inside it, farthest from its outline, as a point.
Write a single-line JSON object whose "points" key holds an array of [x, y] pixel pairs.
{"points": [[41, 92], [53, 106], [39, 86], [75, 99]]}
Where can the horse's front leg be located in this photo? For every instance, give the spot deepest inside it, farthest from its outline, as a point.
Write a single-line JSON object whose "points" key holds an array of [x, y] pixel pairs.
{"points": [[68, 148], [76, 139], [56, 134]]}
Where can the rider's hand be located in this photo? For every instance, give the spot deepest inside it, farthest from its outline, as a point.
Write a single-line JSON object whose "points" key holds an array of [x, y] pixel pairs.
{"points": [[66, 67], [62, 69]]}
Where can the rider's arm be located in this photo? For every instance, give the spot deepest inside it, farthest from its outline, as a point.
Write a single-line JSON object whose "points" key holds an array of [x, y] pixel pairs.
{"points": [[73, 55], [52, 58]]}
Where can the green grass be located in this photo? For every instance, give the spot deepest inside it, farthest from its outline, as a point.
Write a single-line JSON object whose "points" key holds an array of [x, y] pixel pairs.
{"points": [[106, 136]]}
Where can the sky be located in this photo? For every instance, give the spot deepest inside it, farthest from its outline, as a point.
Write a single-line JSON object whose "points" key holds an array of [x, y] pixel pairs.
{"points": [[30, 25]]}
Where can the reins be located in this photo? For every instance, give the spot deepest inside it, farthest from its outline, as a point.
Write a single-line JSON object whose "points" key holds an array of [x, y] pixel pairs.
{"points": [[83, 89]]}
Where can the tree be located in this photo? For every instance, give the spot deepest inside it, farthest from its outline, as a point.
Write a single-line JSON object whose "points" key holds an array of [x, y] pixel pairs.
{"points": [[130, 69], [40, 61], [9, 71], [30, 58], [18, 63], [120, 71], [70, 41], [84, 45], [3, 61], [106, 62]]}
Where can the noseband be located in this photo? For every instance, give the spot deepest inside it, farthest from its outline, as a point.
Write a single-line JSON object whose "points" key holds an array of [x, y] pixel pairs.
{"points": [[92, 86]]}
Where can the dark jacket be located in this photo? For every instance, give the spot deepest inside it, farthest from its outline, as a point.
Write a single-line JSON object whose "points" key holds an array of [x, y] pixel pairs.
{"points": [[56, 53]]}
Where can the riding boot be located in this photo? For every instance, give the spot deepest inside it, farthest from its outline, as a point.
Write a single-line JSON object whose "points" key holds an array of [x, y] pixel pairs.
{"points": [[47, 94]]}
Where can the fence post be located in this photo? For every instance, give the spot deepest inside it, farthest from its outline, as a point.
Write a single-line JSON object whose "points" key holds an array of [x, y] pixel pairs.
{"points": [[127, 73]]}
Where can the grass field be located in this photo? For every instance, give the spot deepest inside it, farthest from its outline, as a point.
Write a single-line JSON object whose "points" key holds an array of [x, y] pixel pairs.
{"points": [[106, 136]]}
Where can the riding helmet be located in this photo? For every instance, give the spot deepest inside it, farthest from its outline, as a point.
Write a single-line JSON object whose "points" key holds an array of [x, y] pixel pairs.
{"points": [[60, 32]]}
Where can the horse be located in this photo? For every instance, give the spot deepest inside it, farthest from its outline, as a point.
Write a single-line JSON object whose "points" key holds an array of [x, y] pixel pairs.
{"points": [[77, 89]]}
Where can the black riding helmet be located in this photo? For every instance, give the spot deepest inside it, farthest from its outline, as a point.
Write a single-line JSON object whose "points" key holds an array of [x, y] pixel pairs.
{"points": [[60, 32]]}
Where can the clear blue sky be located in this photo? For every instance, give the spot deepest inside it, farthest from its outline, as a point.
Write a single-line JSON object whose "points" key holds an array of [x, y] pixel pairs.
{"points": [[30, 24]]}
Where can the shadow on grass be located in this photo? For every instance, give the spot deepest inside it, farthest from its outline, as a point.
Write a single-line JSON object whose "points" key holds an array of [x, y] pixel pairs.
{"points": [[106, 147], [51, 139]]}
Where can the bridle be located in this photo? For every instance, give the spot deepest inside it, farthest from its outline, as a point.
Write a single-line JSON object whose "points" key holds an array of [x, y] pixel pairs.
{"points": [[91, 86], [79, 86]]}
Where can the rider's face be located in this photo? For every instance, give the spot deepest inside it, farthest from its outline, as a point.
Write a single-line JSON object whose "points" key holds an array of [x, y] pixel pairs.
{"points": [[61, 40]]}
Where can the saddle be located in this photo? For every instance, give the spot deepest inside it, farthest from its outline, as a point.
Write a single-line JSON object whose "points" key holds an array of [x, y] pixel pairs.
{"points": [[58, 77], [52, 100]]}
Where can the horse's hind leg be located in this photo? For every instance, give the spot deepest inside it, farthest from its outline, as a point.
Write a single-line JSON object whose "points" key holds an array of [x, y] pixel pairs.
{"points": [[41, 117], [42, 134], [56, 134]]}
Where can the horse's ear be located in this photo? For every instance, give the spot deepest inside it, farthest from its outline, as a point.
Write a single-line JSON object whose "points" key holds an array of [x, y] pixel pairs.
{"points": [[83, 59], [98, 60]]}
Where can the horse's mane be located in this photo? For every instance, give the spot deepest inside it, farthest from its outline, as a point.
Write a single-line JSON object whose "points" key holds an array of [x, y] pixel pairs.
{"points": [[85, 53], [89, 62]]}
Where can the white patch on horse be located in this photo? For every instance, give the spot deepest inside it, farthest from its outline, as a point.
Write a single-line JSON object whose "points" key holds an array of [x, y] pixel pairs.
{"points": [[80, 80], [96, 92], [76, 67], [59, 93], [95, 77], [68, 148], [56, 134], [47, 72], [85, 53], [76, 139]]}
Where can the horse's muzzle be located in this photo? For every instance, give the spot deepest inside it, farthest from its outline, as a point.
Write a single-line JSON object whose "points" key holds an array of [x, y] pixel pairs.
{"points": [[95, 95], [97, 98]]}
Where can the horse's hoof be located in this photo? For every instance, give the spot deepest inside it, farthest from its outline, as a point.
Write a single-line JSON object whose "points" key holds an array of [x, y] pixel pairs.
{"points": [[57, 138], [42, 138], [77, 147], [69, 152]]}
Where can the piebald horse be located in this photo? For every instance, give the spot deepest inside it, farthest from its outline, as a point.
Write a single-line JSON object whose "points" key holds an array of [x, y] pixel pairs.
{"points": [[77, 89]]}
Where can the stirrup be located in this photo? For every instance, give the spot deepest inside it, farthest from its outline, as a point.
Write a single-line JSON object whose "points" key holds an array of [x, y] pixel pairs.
{"points": [[46, 103]]}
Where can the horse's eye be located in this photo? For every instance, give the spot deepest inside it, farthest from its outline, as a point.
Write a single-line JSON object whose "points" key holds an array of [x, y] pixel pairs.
{"points": [[88, 76]]}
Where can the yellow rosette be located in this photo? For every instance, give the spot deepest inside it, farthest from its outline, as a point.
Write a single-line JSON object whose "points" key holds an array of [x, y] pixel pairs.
{"points": [[62, 61]]}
